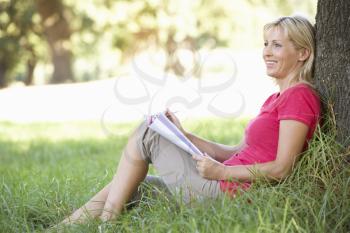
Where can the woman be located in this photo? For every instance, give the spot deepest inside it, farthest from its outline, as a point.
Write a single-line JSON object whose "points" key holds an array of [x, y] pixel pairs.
{"points": [[271, 146]]}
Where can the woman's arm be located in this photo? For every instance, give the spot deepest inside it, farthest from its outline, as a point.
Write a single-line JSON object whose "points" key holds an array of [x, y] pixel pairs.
{"points": [[292, 136], [217, 151]]}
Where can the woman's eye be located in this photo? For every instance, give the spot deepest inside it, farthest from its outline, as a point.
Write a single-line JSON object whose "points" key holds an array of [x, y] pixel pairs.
{"points": [[265, 44], [277, 45]]}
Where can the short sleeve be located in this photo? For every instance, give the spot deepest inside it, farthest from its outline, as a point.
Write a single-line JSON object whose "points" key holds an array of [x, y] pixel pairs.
{"points": [[300, 104]]}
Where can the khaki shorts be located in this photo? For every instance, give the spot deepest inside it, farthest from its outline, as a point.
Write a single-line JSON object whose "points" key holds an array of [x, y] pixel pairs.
{"points": [[175, 167]]}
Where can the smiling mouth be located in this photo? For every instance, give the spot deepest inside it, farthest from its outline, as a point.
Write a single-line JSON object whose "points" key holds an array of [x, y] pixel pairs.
{"points": [[270, 62]]}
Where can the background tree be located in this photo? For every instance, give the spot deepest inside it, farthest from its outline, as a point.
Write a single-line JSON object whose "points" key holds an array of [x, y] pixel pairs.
{"points": [[170, 26], [92, 39], [17, 36], [57, 32], [332, 68], [22, 42]]}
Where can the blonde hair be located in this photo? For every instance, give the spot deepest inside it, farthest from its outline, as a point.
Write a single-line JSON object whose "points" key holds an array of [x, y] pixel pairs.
{"points": [[302, 34]]}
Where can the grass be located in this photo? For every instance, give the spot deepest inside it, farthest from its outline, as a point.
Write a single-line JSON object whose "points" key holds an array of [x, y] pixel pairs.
{"points": [[49, 169]]}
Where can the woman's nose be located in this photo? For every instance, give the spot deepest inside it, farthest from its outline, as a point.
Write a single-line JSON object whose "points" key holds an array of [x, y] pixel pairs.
{"points": [[267, 51]]}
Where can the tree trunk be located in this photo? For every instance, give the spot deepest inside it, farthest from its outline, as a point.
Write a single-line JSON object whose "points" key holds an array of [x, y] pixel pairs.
{"points": [[173, 62], [57, 32], [3, 71], [332, 67], [31, 63]]}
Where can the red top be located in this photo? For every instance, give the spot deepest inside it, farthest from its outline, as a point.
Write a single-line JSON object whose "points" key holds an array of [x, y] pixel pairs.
{"points": [[298, 103]]}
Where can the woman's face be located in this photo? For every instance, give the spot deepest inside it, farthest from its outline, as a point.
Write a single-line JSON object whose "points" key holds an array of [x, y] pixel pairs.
{"points": [[280, 55]]}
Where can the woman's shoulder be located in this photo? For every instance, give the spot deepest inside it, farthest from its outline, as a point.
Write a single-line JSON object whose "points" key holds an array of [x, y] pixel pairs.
{"points": [[301, 88], [301, 91], [301, 95], [298, 94]]}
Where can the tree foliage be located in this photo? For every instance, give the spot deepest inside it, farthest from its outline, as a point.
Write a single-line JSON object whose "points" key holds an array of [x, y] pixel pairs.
{"points": [[18, 36], [96, 27]]}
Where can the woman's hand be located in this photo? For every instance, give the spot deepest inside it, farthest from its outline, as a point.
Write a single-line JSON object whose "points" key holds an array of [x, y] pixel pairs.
{"points": [[173, 118], [209, 168]]}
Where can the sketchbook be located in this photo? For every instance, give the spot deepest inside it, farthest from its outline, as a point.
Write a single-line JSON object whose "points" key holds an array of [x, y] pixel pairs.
{"points": [[162, 125]]}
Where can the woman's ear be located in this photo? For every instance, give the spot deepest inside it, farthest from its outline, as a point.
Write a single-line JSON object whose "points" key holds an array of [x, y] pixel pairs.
{"points": [[304, 54]]}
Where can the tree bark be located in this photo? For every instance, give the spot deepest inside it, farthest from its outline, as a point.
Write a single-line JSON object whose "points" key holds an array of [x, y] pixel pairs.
{"points": [[332, 67], [57, 32]]}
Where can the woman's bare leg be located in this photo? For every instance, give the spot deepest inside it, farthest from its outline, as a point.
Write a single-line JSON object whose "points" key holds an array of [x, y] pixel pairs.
{"points": [[92, 209], [131, 171]]}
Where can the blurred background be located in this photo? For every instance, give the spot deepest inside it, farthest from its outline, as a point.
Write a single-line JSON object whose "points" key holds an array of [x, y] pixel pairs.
{"points": [[116, 60]]}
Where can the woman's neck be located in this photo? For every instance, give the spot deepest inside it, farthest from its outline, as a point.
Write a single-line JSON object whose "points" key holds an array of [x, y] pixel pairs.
{"points": [[285, 83]]}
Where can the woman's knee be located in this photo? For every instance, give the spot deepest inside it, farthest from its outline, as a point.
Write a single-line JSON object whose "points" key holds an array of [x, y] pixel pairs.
{"points": [[140, 130], [145, 139]]}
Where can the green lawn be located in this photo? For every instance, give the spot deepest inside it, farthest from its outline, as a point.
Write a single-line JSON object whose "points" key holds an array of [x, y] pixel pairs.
{"points": [[49, 169]]}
